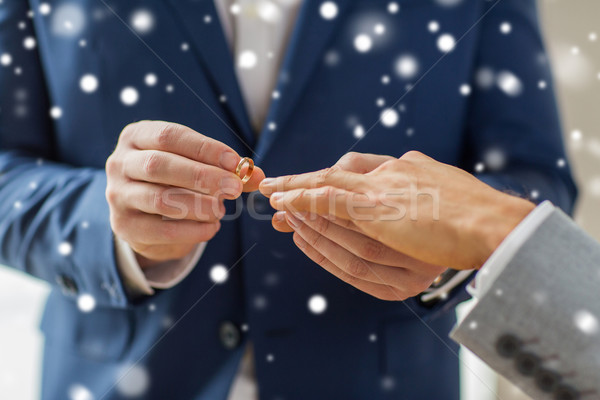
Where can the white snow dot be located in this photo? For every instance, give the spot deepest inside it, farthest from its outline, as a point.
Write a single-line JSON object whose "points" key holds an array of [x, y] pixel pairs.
{"points": [[275, 94], [446, 42], [17, 205], [79, 392], [499, 292], [270, 358], [586, 322], [385, 79], [29, 43], [65, 248], [150, 79], [575, 50], [56, 112], [33, 185], [534, 194], [560, 163], [272, 126], [380, 102], [185, 46], [247, 59], [244, 327], [479, 167], [45, 8], [433, 26], [410, 131], [505, 28], [88, 83], [142, 21], [473, 325], [359, 132], [389, 117], [85, 224], [363, 43], [328, 10], [219, 274], [235, 9], [86, 303], [133, 381], [82, 43], [151, 307], [5, 59], [379, 29], [542, 85], [465, 89], [317, 304], [22, 25], [332, 58], [593, 36], [18, 70], [207, 19], [372, 337], [509, 83], [576, 135], [169, 88], [495, 159], [393, 7], [485, 78], [407, 66], [222, 98], [129, 96]]}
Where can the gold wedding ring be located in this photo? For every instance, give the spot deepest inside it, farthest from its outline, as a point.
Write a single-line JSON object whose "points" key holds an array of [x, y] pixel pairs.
{"points": [[244, 161]]}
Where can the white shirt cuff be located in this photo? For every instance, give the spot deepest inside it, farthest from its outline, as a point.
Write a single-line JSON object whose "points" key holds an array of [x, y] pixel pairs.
{"points": [[502, 256], [164, 275]]}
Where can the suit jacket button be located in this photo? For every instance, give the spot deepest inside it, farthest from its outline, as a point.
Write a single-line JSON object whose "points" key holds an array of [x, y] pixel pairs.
{"points": [[230, 335], [67, 285], [508, 345], [546, 380], [566, 392], [527, 363]]}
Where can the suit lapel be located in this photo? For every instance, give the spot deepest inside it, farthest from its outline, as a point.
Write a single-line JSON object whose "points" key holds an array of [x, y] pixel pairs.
{"points": [[208, 39], [305, 49]]}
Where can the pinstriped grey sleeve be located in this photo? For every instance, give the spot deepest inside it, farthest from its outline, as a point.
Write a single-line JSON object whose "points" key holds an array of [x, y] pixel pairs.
{"points": [[538, 322]]}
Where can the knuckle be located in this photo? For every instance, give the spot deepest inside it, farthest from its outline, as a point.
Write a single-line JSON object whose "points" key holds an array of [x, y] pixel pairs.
{"points": [[372, 250], [111, 195], [199, 177], [165, 135], [159, 202], [357, 267], [117, 223], [412, 155], [152, 164], [321, 225], [201, 149], [351, 158], [112, 166], [128, 131]]}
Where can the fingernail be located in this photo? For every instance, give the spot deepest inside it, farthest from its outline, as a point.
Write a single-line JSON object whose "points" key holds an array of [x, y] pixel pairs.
{"points": [[229, 161], [293, 221], [231, 186], [277, 196], [267, 182], [280, 215]]}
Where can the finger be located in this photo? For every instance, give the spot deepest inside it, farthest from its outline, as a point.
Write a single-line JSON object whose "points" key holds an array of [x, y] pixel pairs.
{"points": [[147, 229], [346, 261], [327, 201], [184, 141], [382, 292], [361, 163], [280, 223], [173, 170], [257, 177], [333, 176], [149, 255], [369, 249], [172, 202]]}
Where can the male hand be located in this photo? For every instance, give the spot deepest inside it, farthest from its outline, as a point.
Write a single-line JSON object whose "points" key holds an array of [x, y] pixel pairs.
{"points": [[342, 249], [165, 188], [427, 210]]}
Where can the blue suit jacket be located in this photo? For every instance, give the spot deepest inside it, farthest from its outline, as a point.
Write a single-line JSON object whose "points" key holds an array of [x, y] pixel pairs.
{"points": [[53, 182]]}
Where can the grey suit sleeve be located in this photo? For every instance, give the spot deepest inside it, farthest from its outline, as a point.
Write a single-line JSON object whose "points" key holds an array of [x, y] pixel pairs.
{"points": [[538, 324]]}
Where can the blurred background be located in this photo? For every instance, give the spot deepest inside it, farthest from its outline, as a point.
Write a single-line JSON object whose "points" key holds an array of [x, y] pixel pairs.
{"points": [[572, 31]]}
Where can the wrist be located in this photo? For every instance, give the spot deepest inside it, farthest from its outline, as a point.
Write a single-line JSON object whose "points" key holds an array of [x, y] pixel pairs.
{"points": [[502, 217]]}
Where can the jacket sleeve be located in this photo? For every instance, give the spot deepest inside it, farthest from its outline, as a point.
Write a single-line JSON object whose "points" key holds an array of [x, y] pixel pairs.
{"points": [[514, 131], [55, 219]]}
